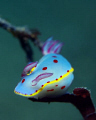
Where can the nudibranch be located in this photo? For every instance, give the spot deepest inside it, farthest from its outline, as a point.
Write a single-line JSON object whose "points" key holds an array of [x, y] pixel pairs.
{"points": [[50, 77]]}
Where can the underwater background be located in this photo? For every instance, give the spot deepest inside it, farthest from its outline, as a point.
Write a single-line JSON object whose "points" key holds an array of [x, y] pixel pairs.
{"points": [[70, 21]]}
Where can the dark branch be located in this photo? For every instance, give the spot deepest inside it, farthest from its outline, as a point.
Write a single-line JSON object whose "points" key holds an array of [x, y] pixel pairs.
{"points": [[80, 99]]}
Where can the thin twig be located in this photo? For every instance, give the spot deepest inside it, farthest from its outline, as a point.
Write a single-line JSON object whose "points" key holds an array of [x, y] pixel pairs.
{"points": [[21, 32]]}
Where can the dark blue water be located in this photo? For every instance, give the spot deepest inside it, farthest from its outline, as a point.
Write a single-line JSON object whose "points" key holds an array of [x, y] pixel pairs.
{"points": [[70, 21]]}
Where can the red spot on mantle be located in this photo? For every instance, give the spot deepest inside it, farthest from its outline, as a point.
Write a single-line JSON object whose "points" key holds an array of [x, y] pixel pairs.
{"points": [[44, 68], [48, 82], [55, 61], [42, 85], [56, 85], [23, 80], [62, 87], [56, 79], [36, 90], [61, 76], [50, 90], [67, 70]]}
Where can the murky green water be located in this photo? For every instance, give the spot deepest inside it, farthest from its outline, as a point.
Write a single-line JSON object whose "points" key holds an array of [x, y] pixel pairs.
{"points": [[70, 21]]}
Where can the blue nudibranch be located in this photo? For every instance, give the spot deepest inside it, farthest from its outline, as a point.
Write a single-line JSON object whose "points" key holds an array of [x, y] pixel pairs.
{"points": [[50, 77]]}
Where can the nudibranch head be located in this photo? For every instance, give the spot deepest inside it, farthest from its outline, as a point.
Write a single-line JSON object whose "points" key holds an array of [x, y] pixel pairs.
{"points": [[50, 77]]}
